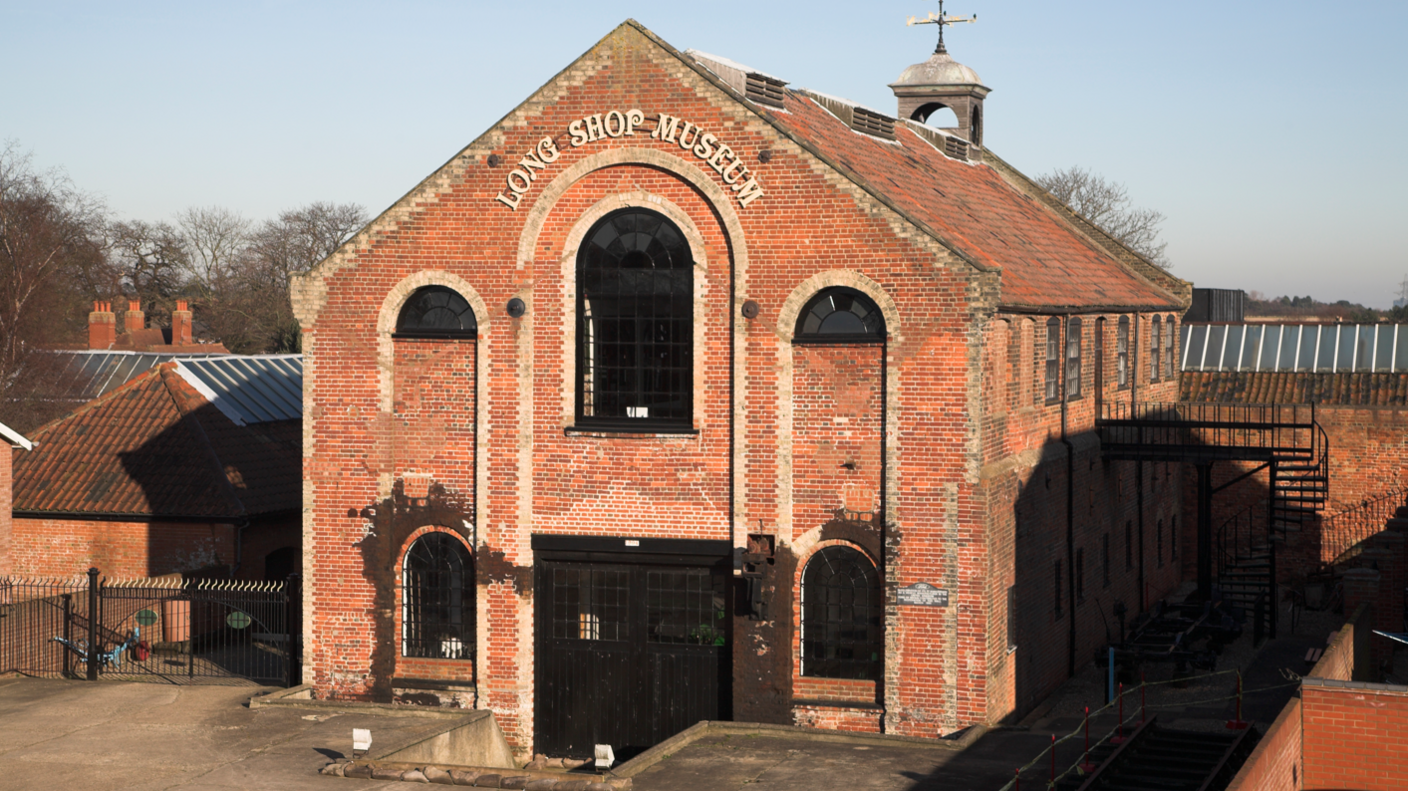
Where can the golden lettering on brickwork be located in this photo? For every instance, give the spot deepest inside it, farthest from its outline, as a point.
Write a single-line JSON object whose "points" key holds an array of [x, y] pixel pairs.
{"points": [[704, 145]]}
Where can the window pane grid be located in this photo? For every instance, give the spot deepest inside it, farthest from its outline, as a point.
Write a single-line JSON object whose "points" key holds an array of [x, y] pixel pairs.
{"points": [[635, 308], [684, 607], [438, 599], [841, 610], [590, 604]]}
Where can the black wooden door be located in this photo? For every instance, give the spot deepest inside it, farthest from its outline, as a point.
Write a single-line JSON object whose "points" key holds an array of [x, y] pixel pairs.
{"points": [[628, 653]]}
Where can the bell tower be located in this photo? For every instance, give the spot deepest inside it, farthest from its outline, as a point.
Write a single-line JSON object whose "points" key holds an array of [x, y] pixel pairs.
{"points": [[940, 82]]}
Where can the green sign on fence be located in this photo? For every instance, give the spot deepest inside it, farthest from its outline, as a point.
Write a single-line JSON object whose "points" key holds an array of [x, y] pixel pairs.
{"points": [[146, 617], [238, 620]]}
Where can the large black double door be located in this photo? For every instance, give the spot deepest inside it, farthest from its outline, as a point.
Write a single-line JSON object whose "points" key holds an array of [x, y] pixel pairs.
{"points": [[632, 646]]}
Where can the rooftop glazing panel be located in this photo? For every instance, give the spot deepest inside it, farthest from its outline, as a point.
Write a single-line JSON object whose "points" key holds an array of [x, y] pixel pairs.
{"points": [[1295, 348]]}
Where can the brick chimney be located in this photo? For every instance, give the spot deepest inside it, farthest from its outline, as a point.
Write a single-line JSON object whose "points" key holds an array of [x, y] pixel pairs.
{"points": [[102, 326], [135, 319], [181, 324]]}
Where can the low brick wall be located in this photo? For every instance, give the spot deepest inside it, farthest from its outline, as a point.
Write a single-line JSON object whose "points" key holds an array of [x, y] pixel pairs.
{"points": [[1354, 735], [1275, 763]]}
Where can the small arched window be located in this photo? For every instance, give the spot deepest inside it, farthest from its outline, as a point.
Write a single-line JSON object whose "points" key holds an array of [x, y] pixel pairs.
{"points": [[840, 315], [438, 599], [635, 322], [1170, 348], [977, 125], [1156, 340], [841, 615], [436, 312], [1122, 353]]}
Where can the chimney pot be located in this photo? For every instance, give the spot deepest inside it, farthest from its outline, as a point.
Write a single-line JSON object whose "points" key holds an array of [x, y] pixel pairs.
{"points": [[135, 319], [102, 326]]}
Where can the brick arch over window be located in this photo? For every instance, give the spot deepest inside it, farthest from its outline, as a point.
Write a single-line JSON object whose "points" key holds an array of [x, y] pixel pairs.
{"points": [[841, 614], [438, 597]]}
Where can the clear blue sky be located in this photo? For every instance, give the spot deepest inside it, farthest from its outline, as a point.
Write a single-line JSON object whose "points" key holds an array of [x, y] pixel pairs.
{"points": [[1271, 134]]}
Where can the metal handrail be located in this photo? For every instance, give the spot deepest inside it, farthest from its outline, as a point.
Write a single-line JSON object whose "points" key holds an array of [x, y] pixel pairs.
{"points": [[1343, 531]]}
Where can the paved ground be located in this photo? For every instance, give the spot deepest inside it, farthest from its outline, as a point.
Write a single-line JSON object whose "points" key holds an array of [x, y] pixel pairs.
{"points": [[119, 735], [784, 763]]}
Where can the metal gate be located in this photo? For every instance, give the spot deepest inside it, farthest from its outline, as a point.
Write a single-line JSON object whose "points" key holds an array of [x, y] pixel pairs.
{"points": [[628, 654], [164, 629]]}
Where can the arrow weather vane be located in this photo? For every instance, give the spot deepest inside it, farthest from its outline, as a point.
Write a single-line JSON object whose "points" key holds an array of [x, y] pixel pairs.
{"points": [[942, 21]]}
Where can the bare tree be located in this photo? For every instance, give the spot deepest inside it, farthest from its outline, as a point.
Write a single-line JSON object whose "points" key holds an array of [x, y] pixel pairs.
{"points": [[1108, 205], [216, 239], [150, 259], [51, 266]]}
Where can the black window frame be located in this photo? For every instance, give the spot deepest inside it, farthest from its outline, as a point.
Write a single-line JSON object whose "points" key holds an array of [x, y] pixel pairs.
{"points": [[1053, 360], [1170, 343], [1122, 353], [1156, 344], [1074, 342], [439, 547], [409, 321], [1011, 618], [663, 332], [824, 602], [840, 300]]}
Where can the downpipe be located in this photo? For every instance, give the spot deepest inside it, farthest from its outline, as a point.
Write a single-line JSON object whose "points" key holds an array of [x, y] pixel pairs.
{"points": [[1070, 502]]}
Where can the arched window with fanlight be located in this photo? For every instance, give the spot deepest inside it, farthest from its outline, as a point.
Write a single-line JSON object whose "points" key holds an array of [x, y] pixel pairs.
{"points": [[841, 615], [436, 312], [438, 599], [635, 324], [840, 315]]}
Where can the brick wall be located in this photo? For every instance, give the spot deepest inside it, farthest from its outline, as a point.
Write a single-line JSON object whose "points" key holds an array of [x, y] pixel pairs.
{"points": [[6, 493], [976, 486], [126, 549], [1353, 735], [1275, 764]]}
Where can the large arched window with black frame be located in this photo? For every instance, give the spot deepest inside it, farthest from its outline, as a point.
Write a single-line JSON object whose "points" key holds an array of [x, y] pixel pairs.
{"points": [[438, 599], [635, 324], [436, 312], [841, 615], [840, 315]]}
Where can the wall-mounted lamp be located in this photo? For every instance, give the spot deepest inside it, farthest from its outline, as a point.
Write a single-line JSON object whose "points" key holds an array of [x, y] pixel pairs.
{"points": [[516, 308], [750, 309]]}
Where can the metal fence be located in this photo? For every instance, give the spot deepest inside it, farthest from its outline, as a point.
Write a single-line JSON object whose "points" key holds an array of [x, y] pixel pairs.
{"points": [[162, 629], [1342, 534]]}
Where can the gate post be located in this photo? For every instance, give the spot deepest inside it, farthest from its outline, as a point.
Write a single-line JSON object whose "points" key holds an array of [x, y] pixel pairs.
{"points": [[93, 618], [68, 634], [293, 612]]}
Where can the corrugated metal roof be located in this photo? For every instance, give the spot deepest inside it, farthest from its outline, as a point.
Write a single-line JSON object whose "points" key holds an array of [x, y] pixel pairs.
{"points": [[1296, 348], [86, 375], [255, 389]]}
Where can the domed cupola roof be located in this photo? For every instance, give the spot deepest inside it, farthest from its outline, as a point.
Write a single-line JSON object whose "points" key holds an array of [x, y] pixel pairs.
{"points": [[939, 69]]}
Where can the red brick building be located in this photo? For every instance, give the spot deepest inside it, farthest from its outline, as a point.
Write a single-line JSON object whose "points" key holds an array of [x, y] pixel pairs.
{"points": [[16, 442], [189, 466], [682, 394]]}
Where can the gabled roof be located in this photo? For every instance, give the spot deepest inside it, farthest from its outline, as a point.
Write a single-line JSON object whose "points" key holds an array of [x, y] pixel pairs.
{"points": [[157, 447], [988, 214]]}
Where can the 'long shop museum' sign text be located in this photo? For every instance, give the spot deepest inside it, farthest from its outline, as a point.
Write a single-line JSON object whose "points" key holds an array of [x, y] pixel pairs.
{"points": [[719, 156]]}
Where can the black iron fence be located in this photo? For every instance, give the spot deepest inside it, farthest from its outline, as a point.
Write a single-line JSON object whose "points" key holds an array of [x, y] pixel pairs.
{"points": [[1342, 534], [161, 629]]}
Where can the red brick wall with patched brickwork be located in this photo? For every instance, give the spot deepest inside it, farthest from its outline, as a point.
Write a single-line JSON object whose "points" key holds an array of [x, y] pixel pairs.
{"points": [[952, 473]]}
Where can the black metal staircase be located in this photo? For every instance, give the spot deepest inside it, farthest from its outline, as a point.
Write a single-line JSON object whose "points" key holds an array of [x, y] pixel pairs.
{"points": [[1286, 440]]}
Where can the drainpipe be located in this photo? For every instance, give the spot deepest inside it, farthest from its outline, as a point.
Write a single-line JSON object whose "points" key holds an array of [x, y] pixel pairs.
{"points": [[240, 527], [1061, 382], [1134, 370]]}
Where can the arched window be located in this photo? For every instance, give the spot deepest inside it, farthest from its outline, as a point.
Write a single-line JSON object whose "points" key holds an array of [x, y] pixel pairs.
{"points": [[977, 125], [635, 323], [1122, 353], [436, 312], [841, 608], [438, 599], [840, 315], [1170, 348], [1156, 340], [1053, 360], [1073, 350]]}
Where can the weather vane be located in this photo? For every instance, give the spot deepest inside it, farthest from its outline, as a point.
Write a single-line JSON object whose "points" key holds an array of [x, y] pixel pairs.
{"points": [[942, 21]]}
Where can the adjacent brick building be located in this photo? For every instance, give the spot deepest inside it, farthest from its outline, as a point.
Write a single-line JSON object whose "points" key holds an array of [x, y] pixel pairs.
{"points": [[16, 442], [682, 394], [189, 466]]}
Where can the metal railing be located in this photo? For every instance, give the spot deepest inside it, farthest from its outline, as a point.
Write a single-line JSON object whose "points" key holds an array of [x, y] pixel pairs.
{"points": [[1342, 533], [1276, 430], [168, 629], [1242, 537]]}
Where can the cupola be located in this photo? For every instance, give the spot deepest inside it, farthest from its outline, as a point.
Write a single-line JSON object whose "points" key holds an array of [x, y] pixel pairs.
{"points": [[940, 82]]}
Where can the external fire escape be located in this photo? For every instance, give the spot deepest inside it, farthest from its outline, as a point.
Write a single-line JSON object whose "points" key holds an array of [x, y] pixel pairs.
{"points": [[1239, 558]]}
